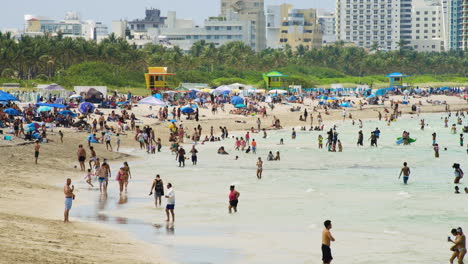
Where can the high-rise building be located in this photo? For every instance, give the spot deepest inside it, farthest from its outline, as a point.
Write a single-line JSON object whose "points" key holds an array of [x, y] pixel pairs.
{"points": [[153, 19], [327, 23], [370, 22], [248, 10], [458, 24], [300, 27], [428, 31], [273, 24]]}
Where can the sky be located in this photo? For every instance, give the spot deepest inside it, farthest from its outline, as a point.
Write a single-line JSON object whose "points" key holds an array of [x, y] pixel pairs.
{"points": [[108, 10]]}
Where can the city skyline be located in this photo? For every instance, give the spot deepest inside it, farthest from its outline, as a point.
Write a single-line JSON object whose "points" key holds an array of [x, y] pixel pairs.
{"points": [[93, 10]]}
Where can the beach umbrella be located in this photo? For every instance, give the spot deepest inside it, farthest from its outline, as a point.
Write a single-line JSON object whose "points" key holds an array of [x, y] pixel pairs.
{"points": [[158, 96], [223, 89], [240, 106], [51, 105], [33, 125], [11, 111], [381, 92], [370, 96], [86, 107], [54, 87], [323, 97], [292, 98], [277, 91], [332, 98], [4, 96], [237, 100], [75, 96], [67, 113], [345, 104], [206, 90], [44, 109], [187, 110], [151, 100]]}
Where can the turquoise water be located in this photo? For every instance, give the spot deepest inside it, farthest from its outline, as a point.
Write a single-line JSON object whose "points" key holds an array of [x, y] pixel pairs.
{"points": [[376, 218]]}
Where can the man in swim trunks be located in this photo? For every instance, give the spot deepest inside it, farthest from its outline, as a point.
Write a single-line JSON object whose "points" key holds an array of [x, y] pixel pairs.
{"points": [[69, 197], [327, 238], [170, 202], [259, 168], [36, 150], [406, 173], [106, 173], [102, 175], [81, 153]]}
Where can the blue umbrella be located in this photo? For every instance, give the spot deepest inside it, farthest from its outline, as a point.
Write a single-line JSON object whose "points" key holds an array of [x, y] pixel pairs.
{"points": [[381, 92], [67, 113], [240, 106], [345, 104], [332, 98], [11, 111], [52, 105], [44, 109], [86, 107], [237, 100], [158, 96], [187, 110], [4, 96], [322, 97]]}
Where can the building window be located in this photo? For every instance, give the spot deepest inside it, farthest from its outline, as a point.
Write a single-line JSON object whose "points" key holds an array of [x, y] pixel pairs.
{"points": [[228, 27]]}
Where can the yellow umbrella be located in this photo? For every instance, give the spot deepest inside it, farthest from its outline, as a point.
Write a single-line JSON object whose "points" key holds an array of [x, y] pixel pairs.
{"points": [[206, 90]]}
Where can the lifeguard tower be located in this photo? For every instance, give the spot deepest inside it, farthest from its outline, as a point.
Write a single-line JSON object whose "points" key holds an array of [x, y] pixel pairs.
{"points": [[274, 81], [396, 79], [156, 79]]}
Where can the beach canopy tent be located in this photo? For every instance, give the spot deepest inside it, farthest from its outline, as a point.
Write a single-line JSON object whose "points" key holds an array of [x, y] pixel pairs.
{"points": [[237, 100], [86, 108], [381, 92], [223, 89], [83, 90], [151, 100], [277, 91], [6, 97], [54, 87], [11, 111], [51, 105]]}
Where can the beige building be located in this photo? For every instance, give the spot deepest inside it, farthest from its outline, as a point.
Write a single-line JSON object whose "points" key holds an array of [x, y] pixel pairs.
{"points": [[248, 10], [299, 27]]}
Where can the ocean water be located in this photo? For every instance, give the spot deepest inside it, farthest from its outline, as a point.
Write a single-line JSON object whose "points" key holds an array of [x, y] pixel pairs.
{"points": [[376, 218]]}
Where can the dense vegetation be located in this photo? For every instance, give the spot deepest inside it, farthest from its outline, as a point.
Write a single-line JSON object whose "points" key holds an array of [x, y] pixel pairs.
{"points": [[116, 63]]}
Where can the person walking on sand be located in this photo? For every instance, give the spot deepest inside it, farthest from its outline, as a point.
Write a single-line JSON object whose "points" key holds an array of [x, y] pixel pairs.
{"points": [[37, 147], [327, 238], [194, 152], [69, 197], [259, 168], [158, 187], [181, 156], [81, 153], [254, 146], [406, 173], [233, 199], [170, 202]]}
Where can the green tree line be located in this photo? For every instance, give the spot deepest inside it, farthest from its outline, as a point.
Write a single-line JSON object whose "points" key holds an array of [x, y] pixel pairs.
{"points": [[117, 63]]}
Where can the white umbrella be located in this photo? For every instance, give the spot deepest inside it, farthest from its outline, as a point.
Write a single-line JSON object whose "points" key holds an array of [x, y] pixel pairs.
{"points": [[75, 96], [277, 92], [150, 100]]}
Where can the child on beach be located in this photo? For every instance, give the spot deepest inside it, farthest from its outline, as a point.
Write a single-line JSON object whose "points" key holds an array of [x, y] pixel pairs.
{"points": [[320, 141], [87, 177]]}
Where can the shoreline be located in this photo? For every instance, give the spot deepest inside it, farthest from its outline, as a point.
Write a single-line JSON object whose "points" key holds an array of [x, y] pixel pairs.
{"points": [[32, 200]]}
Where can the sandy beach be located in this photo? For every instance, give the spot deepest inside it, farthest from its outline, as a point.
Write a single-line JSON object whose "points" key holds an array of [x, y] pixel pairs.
{"points": [[31, 196]]}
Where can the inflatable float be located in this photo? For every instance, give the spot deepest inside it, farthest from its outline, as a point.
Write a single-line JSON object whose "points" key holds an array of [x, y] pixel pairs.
{"points": [[400, 140]]}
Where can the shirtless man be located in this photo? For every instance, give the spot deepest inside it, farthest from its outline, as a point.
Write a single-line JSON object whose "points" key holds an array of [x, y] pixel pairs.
{"points": [[69, 197], [36, 150], [106, 173], [81, 153], [259, 168], [93, 157], [327, 238], [460, 246], [406, 172]]}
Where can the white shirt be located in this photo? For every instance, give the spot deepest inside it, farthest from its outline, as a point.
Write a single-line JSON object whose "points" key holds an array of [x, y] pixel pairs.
{"points": [[171, 196]]}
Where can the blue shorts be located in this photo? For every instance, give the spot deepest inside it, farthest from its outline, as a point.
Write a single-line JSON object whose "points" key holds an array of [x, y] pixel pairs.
{"points": [[405, 179], [254, 149], [101, 179], [68, 203], [170, 206]]}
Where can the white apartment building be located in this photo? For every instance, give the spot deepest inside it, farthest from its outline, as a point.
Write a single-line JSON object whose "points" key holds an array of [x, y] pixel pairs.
{"points": [[428, 33], [327, 22], [219, 31], [365, 22], [273, 24]]}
